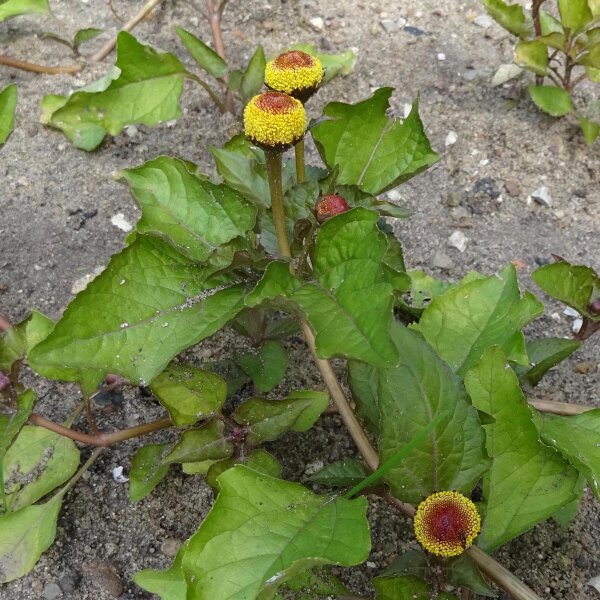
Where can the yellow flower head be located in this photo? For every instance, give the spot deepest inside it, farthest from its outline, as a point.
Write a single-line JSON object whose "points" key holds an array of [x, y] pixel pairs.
{"points": [[446, 523], [296, 73], [274, 120]]}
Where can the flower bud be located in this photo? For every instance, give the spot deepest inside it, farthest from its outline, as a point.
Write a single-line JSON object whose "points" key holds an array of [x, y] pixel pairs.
{"points": [[296, 73], [446, 523], [594, 307], [329, 206], [4, 381], [274, 121]]}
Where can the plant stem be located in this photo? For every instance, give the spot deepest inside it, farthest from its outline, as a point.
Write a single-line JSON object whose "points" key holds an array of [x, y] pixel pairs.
{"points": [[35, 68], [300, 171], [140, 16], [273, 159], [88, 463], [535, 13], [215, 13], [560, 408]]}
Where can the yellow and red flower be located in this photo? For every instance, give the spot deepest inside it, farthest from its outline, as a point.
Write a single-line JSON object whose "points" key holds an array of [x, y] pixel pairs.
{"points": [[296, 73]]}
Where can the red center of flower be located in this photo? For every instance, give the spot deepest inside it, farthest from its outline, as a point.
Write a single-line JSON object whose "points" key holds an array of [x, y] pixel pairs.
{"points": [[446, 522], [294, 59], [276, 103]]}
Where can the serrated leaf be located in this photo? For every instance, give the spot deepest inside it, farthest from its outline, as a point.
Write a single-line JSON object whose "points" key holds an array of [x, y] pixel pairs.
{"points": [[349, 302], [188, 393], [149, 304], [259, 460], [575, 285], [8, 104], [528, 481], [254, 75], [408, 396], [263, 531], [13, 8], [169, 584], [147, 470], [267, 419], [344, 473], [463, 572], [267, 366], [146, 91], [533, 55], [551, 99], [209, 442], [407, 587], [577, 439], [390, 151], [24, 536], [334, 65], [17, 341], [85, 35], [36, 463], [509, 16], [574, 14], [543, 355], [590, 129], [479, 313], [205, 56]]}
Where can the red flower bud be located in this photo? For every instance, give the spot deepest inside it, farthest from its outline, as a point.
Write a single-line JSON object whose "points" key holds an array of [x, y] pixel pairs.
{"points": [[329, 206], [594, 307]]}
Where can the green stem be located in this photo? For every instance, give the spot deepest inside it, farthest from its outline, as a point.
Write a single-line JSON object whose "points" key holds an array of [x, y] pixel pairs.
{"points": [[273, 159], [300, 171], [88, 463]]}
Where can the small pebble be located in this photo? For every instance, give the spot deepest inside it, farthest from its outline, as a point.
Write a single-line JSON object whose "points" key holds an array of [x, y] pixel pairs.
{"points": [[483, 21], [131, 131], [117, 474], [441, 261], [512, 188], [170, 547], [505, 73], [313, 467], [414, 31], [441, 56], [121, 222], [576, 325], [52, 591], [393, 195], [317, 23], [542, 196], [451, 138], [454, 198], [458, 240], [571, 312]]}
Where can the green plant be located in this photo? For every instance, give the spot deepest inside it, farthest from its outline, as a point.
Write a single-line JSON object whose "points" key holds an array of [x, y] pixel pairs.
{"points": [[436, 371], [564, 49]]}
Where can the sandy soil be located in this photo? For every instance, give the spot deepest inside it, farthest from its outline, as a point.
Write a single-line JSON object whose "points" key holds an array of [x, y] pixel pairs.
{"points": [[51, 235]]}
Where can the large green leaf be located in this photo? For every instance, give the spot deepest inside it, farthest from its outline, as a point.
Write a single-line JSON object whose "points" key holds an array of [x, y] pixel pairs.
{"points": [[147, 470], [169, 584], [267, 366], [8, 104], [509, 16], [407, 397], [267, 419], [18, 340], [551, 99], [12, 8], [192, 214], [209, 442], [263, 531], [147, 91], [477, 314], [374, 152], [575, 285], [37, 462], [254, 75], [575, 14], [205, 56], [148, 305], [577, 439], [528, 481], [188, 393], [543, 355], [349, 302]]}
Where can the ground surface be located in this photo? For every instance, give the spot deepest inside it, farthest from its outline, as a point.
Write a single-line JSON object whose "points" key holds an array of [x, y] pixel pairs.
{"points": [[51, 235]]}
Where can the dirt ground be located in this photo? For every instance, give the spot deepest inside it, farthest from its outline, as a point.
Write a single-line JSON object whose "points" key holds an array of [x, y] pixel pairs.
{"points": [[56, 204]]}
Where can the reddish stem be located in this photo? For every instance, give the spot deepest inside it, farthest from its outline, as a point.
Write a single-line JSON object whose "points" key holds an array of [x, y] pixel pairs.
{"points": [[35, 68], [215, 12]]}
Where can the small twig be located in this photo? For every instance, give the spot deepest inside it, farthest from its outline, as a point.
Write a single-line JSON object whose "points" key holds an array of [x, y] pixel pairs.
{"points": [[140, 16], [578, 80], [560, 408], [114, 12], [23, 65], [215, 12]]}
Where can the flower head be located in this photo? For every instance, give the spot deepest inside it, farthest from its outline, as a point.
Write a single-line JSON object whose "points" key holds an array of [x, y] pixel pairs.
{"points": [[274, 120], [329, 206], [296, 73], [446, 523]]}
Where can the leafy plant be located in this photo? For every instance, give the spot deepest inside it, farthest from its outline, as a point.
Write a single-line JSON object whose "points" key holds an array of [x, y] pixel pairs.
{"points": [[272, 248], [561, 44]]}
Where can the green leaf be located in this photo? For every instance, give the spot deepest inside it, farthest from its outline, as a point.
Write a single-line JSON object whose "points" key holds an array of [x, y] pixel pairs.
{"points": [[85, 35], [205, 56], [479, 313], [390, 151], [550, 24], [528, 481], [149, 304], [13, 8], [267, 366], [188, 393], [24, 536], [147, 470], [18, 340], [533, 55], [316, 583], [545, 354], [590, 129], [574, 14], [407, 587], [552, 40], [230, 372], [267, 419], [146, 91], [334, 65], [208, 442], [576, 438], [254, 75], [259, 460], [8, 104], [551, 99], [424, 288], [37, 462], [408, 396], [509, 16], [263, 531], [412, 562], [10, 426], [169, 584], [463, 572], [565, 515], [575, 285], [349, 302], [344, 473]]}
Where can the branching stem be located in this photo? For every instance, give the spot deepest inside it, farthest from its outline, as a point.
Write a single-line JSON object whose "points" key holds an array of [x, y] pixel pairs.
{"points": [[23, 65]]}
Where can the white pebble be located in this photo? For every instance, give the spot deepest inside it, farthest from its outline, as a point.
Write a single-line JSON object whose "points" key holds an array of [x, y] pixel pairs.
{"points": [[483, 21], [458, 240], [576, 325], [118, 476], [451, 138], [317, 23], [121, 222], [505, 73], [441, 56], [542, 196], [571, 312]]}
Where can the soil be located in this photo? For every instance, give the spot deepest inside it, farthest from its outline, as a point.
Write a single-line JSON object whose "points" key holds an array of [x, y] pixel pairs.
{"points": [[56, 204]]}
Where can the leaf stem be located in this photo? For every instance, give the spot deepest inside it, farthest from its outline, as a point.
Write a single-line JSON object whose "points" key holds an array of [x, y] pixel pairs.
{"points": [[273, 159], [215, 13], [300, 170], [35, 68]]}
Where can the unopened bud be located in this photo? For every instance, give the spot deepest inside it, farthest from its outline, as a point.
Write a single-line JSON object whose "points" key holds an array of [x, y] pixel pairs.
{"points": [[594, 307], [4, 381], [330, 206]]}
